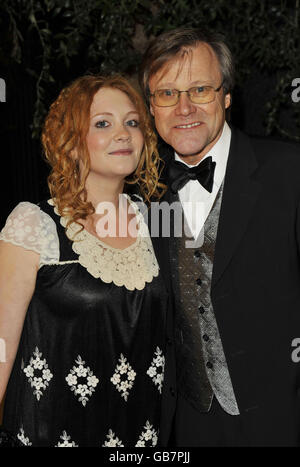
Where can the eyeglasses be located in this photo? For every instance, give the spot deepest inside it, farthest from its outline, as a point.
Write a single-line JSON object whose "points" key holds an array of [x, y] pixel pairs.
{"points": [[197, 95]]}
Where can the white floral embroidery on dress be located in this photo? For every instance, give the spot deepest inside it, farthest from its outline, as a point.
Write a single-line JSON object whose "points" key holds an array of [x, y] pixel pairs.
{"points": [[84, 391], [124, 369], [66, 441], [113, 441], [38, 382], [156, 369], [21, 436], [148, 436]]}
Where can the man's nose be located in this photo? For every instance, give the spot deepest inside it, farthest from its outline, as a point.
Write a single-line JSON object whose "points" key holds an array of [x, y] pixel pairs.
{"points": [[184, 105]]}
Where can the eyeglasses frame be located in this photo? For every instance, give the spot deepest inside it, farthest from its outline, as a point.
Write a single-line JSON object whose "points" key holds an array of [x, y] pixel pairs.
{"points": [[187, 91]]}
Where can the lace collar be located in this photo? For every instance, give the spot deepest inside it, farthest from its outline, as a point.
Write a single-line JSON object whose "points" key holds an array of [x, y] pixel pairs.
{"points": [[131, 267]]}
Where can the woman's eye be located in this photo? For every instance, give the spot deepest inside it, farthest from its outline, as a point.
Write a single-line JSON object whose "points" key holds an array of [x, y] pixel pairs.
{"points": [[101, 124], [134, 123]]}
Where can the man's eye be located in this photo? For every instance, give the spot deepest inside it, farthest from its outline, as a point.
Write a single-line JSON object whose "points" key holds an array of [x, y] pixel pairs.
{"points": [[133, 123], [198, 90], [165, 92], [101, 124]]}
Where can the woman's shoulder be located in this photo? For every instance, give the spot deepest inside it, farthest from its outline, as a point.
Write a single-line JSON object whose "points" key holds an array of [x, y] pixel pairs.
{"points": [[25, 208], [27, 213], [29, 226]]}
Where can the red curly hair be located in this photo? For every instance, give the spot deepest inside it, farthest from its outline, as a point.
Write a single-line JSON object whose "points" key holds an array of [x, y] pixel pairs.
{"points": [[65, 129]]}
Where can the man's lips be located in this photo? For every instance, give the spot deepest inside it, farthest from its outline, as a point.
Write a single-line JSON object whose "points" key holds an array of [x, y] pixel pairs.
{"points": [[188, 126], [121, 152]]}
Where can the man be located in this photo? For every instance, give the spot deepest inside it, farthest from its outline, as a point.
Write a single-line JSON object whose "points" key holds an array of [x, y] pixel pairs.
{"points": [[237, 290]]}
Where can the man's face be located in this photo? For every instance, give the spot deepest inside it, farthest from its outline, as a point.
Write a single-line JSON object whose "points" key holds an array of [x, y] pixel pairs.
{"points": [[198, 67]]}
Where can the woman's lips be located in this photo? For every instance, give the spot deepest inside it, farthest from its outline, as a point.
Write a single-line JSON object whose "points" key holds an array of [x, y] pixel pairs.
{"points": [[121, 152]]}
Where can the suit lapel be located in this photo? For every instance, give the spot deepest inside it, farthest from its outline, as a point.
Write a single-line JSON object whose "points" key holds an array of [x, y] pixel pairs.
{"points": [[240, 194], [162, 244], [161, 249]]}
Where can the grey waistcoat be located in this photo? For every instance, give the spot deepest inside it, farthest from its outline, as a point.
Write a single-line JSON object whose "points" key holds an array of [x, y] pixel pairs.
{"points": [[201, 365]]}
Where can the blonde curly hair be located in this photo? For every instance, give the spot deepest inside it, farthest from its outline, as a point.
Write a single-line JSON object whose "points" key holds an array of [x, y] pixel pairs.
{"points": [[65, 130]]}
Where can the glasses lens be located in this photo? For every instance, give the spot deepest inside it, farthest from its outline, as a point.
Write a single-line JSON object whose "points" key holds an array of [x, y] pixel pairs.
{"points": [[202, 94], [165, 97]]}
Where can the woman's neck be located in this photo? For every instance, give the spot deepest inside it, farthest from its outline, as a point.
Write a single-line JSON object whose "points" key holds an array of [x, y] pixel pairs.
{"points": [[104, 190], [112, 214]]}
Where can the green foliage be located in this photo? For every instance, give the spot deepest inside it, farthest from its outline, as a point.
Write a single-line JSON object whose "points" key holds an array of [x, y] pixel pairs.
{"points": [[57, 40]]}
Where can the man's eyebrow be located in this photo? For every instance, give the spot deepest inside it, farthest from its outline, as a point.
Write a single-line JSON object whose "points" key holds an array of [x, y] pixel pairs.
{"points": [[199, 82]]}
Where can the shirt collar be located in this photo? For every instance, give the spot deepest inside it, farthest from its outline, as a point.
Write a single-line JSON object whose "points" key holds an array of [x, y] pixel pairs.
{"points": [[219, 154]]}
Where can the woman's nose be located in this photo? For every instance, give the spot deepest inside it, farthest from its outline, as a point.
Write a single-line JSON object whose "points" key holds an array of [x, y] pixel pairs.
{"points": [[122, 134]]}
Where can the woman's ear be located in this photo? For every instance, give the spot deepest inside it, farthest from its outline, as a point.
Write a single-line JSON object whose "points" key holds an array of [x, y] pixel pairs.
{"points": [[76, 170], [74, 154]]}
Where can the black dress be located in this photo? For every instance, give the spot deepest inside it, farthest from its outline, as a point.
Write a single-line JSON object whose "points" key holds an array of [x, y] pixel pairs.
{"points": [[89, 368]]}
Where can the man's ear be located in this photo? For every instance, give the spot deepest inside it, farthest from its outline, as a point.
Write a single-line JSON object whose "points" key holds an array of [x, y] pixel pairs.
{"points": [[227, 100]]}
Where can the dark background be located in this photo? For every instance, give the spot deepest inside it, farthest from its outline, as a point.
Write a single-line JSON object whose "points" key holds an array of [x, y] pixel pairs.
{"points": [[46, 44]]}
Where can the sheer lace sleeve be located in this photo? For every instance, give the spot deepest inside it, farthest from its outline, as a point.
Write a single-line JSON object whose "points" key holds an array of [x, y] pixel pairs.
{"points": [[28, 226]]}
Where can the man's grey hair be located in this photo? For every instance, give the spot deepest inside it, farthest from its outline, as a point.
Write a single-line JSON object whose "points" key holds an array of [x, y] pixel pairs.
{"points": [[172, 43]]}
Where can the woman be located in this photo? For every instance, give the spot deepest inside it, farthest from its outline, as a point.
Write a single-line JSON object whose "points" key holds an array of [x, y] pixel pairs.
{"points": [[82, 312]]}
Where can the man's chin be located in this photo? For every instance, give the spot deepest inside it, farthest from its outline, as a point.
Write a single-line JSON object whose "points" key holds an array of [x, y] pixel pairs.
{"points": [[189, 151], [189, 148]]}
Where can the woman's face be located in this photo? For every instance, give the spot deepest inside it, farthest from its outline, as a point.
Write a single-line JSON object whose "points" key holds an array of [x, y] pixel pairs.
{"points": [[114, 138]]}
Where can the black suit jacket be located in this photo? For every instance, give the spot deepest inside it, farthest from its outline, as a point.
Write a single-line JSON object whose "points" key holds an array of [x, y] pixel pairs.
{"points": [[255, 289]]}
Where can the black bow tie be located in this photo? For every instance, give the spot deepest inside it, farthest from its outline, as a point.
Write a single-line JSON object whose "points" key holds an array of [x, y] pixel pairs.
{"points": [[180, 174]]}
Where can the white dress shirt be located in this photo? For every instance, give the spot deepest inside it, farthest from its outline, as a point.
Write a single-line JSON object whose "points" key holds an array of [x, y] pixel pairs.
{"points": [[196, 200]]}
